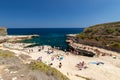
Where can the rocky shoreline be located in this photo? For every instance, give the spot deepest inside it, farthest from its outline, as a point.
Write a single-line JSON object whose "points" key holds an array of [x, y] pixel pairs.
{"points": [[87, 50], [16, 38], [5, 37]]}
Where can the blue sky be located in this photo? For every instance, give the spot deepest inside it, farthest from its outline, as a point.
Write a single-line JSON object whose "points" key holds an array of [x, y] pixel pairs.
{"points": [[57, 13]]}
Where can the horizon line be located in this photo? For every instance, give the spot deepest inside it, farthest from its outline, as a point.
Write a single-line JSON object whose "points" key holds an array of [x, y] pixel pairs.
{"points": [[45, 27]]}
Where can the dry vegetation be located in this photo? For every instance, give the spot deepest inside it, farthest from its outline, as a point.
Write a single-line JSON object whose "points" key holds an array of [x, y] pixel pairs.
{"points": [[6, 54], [36, 65], [15, 68]]}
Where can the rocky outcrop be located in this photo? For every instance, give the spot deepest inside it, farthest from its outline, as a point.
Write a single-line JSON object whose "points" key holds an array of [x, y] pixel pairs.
{"points": [[17, 38], [13, 38], [76, 48], [105, 36], [3, 31]]}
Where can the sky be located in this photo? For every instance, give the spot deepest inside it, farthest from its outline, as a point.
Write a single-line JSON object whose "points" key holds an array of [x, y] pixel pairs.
{"points": [[57, 13]]}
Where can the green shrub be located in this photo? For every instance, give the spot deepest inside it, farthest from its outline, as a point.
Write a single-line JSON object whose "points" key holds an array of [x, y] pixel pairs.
{"points": [[109, 30], [36, 65], [88, 30], [115, 45], [82, 36], [118, 29], [97, 38]]}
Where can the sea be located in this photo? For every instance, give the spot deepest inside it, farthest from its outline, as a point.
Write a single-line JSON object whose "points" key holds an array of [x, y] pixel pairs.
{"points": [[55, 37]]}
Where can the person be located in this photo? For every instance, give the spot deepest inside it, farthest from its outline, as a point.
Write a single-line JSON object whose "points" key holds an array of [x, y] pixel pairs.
{"points": [[42, 47], [31, 50], [65, 50], [57, 57], [60, 65], [67, 53], [52, 58], [67, 73], [51, 64], [52, 50], [39, 50], [110, 54], [82, 63], [40, 59]]}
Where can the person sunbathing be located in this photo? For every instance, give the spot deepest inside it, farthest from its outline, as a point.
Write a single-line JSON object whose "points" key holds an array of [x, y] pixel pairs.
{"points": [[81, 65]]}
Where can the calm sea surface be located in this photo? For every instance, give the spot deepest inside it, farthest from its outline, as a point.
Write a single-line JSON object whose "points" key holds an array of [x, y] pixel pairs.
{"points": [[48, 36]]}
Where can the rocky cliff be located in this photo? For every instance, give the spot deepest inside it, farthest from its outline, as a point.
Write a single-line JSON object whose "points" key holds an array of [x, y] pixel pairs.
{"points": [[3, 31], [102, 35]]}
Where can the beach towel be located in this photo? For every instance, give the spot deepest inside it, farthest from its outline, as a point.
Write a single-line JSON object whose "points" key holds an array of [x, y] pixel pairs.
{"points": [[92, 62], [39, 59], [97, 63], [61, 57]]}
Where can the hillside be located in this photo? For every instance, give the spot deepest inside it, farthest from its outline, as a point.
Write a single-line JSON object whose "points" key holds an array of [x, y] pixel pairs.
{"points": [[13, 67], [102, 35]]}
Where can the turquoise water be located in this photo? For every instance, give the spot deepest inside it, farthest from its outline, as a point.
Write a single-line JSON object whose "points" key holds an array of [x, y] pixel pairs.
{"points": [[48, 36]]}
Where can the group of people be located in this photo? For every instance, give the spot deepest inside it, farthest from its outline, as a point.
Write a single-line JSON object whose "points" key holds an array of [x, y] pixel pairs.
{"points": [[59, 65], [92, 49], [40, 48], [30, 50], [50, 50], [57, 57], [54, 57], [81, 65], [98, 53]]}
